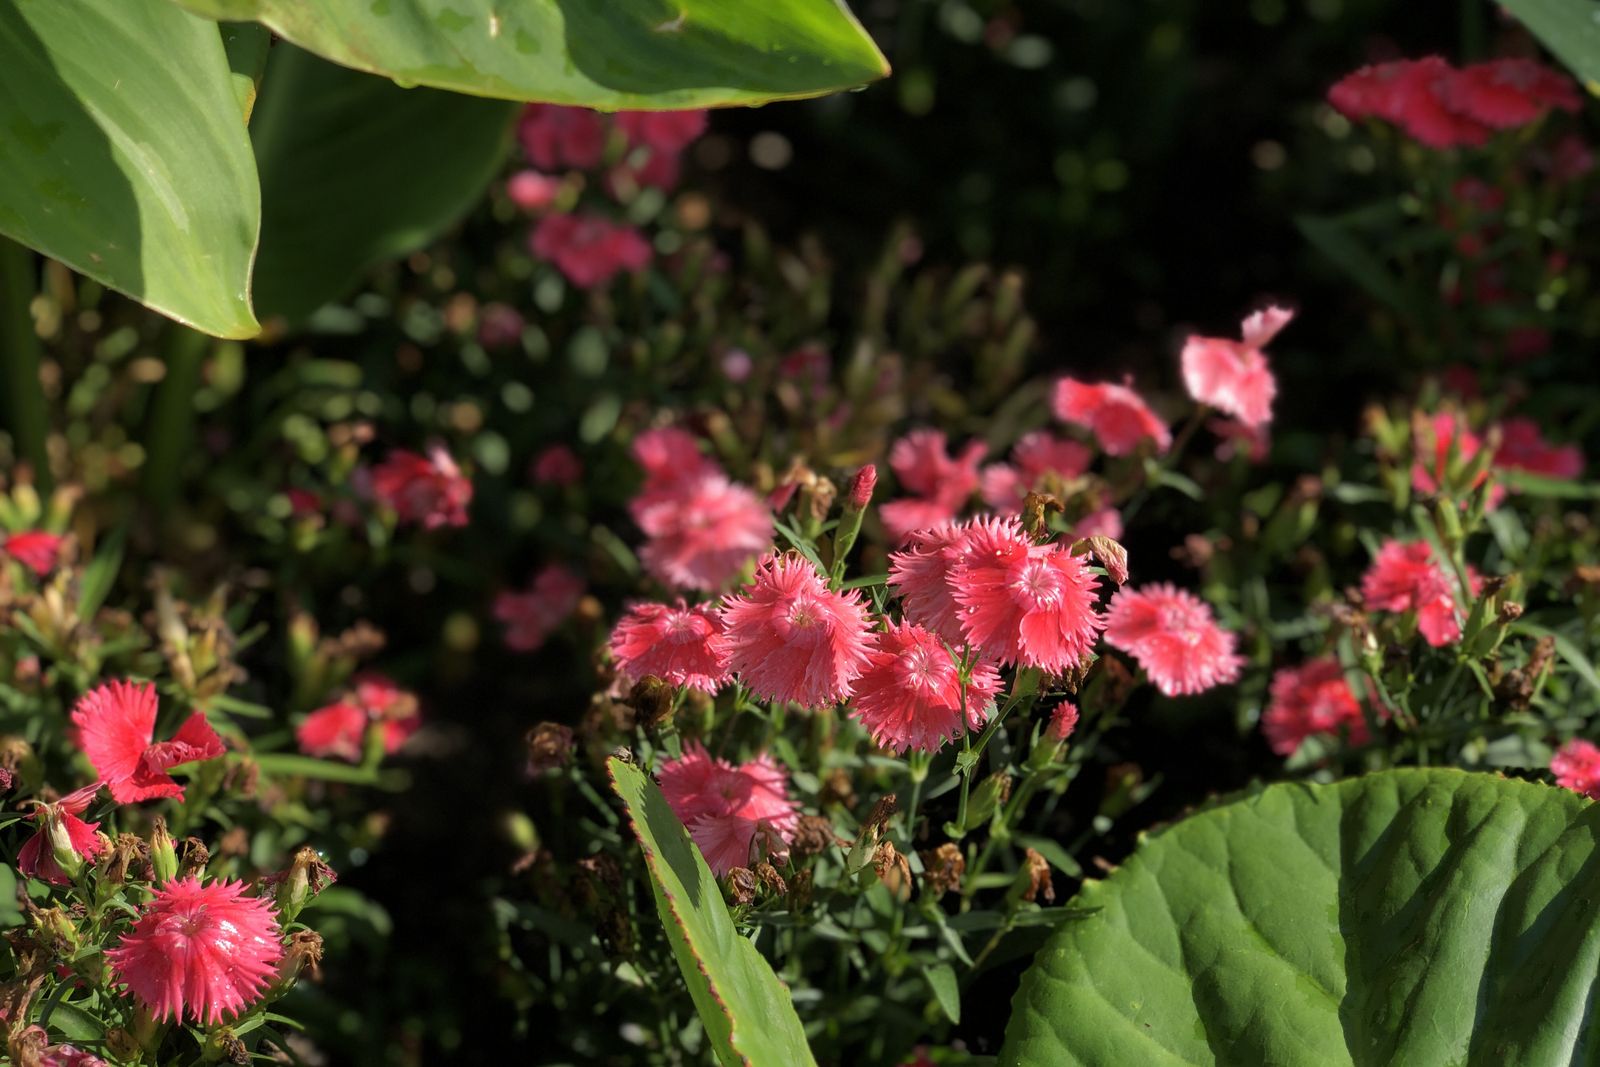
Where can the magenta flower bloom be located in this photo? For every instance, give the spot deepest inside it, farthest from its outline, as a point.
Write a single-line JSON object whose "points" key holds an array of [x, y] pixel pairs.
{"points": [[911, 694], [792, 639], [555, 137], [731, 812], [1438, 438], [201, 952], [921, 572], [590, 250], [1172, 633], [1312, 700], [430, 490], [1523, 447], [1412, 94], [60, 827], [557, 465], [1233, 376], [1117, 416], [338, 730], [663, 131], [531, 617], [1063, 720], [679, 644], [1025, 603], [1576, 766], [116, 728], [37, 550], [702, 532], [1405, 577], [1507, 93]]}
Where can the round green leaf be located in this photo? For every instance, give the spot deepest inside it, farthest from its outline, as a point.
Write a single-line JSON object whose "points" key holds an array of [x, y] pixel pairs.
{"points": [[595, 53], [124, 155], [1406, 917], [747, 1013], [355, 171]]}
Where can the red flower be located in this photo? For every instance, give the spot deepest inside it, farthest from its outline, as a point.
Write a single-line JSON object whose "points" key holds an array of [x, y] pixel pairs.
{"points": [[1523, 447], [1309, 701], [1576, 766], [589, 249], [201, 952], [663, 131], [1233, 376], [531, 617], [1441, 440], [679, 644], [429, 490], [1411, 94], [911, 695], [555, 137], [1174, 637], [61, 831], [37, 550], [1506, 93], [791, 639], [730, 811], [1117, 416], [116, 726], [557, 465], [1025, 603], [337, 730]]}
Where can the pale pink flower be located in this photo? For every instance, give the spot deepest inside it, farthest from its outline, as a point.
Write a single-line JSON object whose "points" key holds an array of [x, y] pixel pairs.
{"points": [[703, 533], [1312, 700], [1576, 766], [1117, 416], [429, 490], [911, 696], [921, 573], [1233, 376], [676, 643], [589, 249], [670, 456], [904, 518], [1025, 603], [60, 826], [731, 812], [791, 639], [939, 484], [531, 617], [1175, 638], [116, 728], [532, 191], [1107, 522], [199, 952], [1036, 459], [1406, 577]]}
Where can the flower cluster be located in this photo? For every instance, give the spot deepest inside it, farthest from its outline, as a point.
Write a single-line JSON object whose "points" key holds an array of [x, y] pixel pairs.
{"points": [[1443, 106], [340, 730]]}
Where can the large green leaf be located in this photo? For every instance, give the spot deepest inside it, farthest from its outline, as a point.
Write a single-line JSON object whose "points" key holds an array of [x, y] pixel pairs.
{"points": [[355, 170], [1568, 28], [597, 53], [1407, 917], [747, 1012], [123, 155]]}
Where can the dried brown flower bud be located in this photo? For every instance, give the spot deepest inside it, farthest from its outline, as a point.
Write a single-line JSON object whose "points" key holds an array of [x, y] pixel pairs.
{"points": [[838, 789], [813, 835], [1037, 872], [652, 698], [549, 747], [892, 869], [192, 857], [886, 806], [769, 877], [1034, 508], [943, 868], [1110, 554], [742, 885]]}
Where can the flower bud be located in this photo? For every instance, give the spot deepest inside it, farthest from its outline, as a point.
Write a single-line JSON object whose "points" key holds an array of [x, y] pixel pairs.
{"points": [[549, 747], [742, 885], [61, 846], [861, 486], [163, 854], [306, 876]]}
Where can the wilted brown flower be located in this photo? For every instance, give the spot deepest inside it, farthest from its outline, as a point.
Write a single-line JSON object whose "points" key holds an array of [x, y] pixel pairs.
{"points": [[943, 868], [1037, 871], [549, 747]]}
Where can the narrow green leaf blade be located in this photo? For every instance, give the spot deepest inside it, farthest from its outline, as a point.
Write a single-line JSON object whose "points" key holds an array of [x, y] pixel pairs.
{"points": [[942, 980], [747, 1012], [1414, 916], [124, 155], [355, 171], [616, 54]]}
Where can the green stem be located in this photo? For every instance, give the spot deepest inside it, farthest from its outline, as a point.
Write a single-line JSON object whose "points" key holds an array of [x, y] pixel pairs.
{"points": [[169, 429], [20, 358]]}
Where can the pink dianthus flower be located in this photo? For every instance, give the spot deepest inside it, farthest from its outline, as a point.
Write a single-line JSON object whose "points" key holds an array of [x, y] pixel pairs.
{"points": [[1405, 577], [1233, 376], [677, 643], [792, 639], [338, 730], [1025, 603], [702, 533], [939, 484], [1117, 416], [589, 249], [430, 490], [1172, 633], [201, 952], [38, 550], [1309, 701], [557, 465], [921, 574], [1523, 447], [116, 728], [60, 827], [911, 696], [531, 617], [1576, 766], [555, 137], [1036, 458], [731, 812]]}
